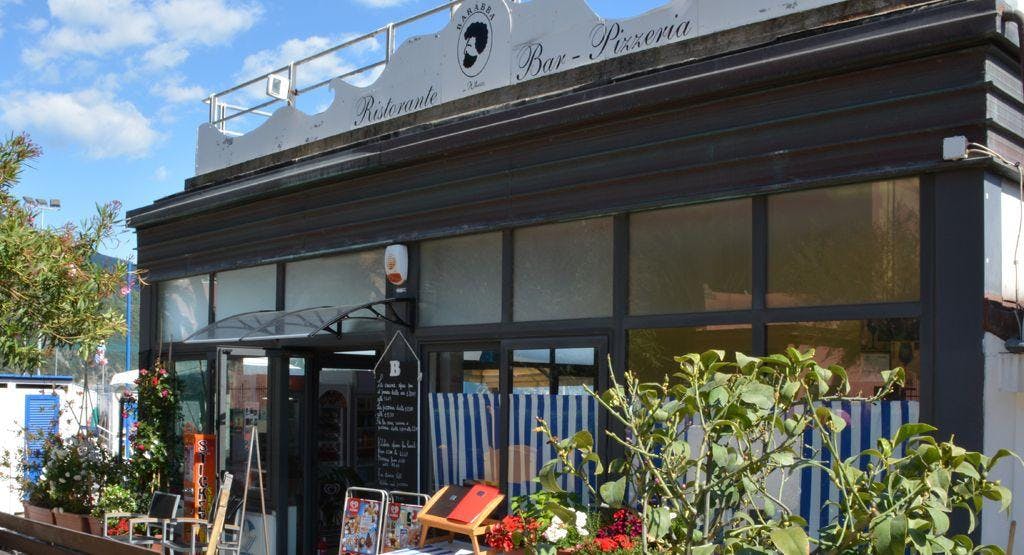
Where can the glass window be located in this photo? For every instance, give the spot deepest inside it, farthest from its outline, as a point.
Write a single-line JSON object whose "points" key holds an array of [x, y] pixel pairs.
{"points": [[553, 371], [691, 259], [864, 347], [563, 271], [346, 280], [548, 384], [195, 393], [652, 352], [460, 280], [245, 290], [184, 306], [349, 279], [844, 245], [465, 409], [468, 372]]}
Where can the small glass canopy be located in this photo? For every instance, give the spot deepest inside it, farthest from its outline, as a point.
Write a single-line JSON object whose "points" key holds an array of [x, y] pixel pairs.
{"points": [[270, 325]]}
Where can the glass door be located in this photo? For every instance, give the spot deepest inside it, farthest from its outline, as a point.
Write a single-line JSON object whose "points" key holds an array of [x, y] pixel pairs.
{"points": [[547, 379], [265, 392], [245, 387]]}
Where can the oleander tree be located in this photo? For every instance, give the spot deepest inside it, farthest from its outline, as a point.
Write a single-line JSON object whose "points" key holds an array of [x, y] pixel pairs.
{"points": [[51, 292]]}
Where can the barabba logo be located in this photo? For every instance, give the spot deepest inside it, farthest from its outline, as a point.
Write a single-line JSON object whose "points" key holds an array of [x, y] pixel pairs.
{"points": [[476, 38]]}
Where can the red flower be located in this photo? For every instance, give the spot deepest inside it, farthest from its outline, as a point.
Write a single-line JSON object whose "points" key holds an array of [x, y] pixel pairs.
{"points": [[502, 535], [143, 372], [155, 381]]}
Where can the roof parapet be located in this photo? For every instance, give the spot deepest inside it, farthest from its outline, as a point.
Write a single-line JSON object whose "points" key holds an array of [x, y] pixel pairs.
{"points": [[486, 44]]}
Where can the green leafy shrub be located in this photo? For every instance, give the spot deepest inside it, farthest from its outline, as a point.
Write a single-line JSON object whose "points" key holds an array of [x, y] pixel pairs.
{"points": [[726, 494]]}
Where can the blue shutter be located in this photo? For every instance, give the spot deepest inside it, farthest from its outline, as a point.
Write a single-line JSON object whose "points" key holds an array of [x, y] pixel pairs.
{"points": [[129, 416], [41, 414]]}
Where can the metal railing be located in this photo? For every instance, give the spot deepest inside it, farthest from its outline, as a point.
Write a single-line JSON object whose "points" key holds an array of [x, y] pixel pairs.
{"points": [[222, 112]]}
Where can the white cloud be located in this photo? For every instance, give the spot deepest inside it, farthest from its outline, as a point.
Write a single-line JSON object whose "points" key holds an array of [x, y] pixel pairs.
{"points": [[165, 56], [167, 28], [36, 25], [321, 69], [92, 27], [103, 125], [205, 22], [160, 174], [175, 91]]}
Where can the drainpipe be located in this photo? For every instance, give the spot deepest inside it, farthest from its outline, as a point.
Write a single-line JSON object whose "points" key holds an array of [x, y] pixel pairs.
{"points": [[1015, 16]]}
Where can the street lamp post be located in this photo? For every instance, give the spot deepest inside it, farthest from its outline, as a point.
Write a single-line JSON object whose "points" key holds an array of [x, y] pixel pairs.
{"points": [[42, 205]]}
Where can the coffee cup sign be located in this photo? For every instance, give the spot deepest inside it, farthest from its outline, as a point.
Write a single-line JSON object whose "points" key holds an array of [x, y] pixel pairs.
{"points": [[396, 264]]}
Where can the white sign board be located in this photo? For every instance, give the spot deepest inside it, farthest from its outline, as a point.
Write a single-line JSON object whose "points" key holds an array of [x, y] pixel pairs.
{"points": [[488, 44]]}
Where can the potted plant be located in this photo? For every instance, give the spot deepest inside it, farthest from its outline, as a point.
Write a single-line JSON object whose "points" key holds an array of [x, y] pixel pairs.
{"points": [[114, 499], [513, 534], [73, 473], [544, 523]]}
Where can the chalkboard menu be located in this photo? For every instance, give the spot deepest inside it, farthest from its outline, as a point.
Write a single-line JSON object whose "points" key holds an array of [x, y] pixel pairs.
{"points": [[397, 426]]}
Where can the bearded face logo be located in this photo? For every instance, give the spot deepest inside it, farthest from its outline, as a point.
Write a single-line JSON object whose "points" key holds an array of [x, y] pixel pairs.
{"points": [[475, 43]]}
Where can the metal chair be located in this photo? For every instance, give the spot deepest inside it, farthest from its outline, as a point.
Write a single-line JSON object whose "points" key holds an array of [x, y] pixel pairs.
{"points": [[221, 536], [162, 510]]}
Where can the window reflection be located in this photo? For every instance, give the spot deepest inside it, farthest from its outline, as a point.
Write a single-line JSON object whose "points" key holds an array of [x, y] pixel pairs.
{"points": [[652, 352], [460, 280], [184, 306], [691, 259], [864, 348], [563, 271], [245, 290], [844, 245]]}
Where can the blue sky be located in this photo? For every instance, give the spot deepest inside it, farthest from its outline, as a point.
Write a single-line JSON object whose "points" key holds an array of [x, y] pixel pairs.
{"points": [[111, 89]]}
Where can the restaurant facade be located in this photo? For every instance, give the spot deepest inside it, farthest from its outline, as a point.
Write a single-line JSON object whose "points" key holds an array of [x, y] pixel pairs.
{"points": [[745, 176]]}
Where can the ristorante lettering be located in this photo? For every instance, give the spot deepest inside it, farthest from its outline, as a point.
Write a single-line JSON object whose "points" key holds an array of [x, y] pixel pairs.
{"points": [[615, 40], [370, 109]]}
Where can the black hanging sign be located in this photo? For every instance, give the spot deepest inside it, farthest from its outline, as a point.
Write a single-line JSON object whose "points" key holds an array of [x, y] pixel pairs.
{"points": [[398, 376]]}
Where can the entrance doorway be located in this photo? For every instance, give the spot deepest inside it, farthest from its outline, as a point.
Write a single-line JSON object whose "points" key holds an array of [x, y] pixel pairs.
{"points": [[314, 416], [344, 446]]}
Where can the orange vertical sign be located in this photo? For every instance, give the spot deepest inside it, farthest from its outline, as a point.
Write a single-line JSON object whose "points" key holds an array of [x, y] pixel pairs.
{"points": [[200, 474]]}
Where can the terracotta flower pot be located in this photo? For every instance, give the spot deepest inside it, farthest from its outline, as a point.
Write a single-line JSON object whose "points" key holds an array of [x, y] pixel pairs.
{"points": [[71, 521], [95, 525], [38, 514]]}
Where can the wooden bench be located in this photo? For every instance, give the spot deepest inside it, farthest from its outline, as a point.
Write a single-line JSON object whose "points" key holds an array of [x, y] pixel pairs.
{"points": [[29, 536]]}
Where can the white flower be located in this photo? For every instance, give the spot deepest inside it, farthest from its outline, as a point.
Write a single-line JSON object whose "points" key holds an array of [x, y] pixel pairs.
{"points": [[581, 520], [556, 532], [62, 481], [78, 477]]}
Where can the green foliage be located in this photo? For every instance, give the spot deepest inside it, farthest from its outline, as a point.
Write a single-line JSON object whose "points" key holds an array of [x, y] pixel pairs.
{"points": [[51, 292], [116, 498], [156, 461], [747, 419]]}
